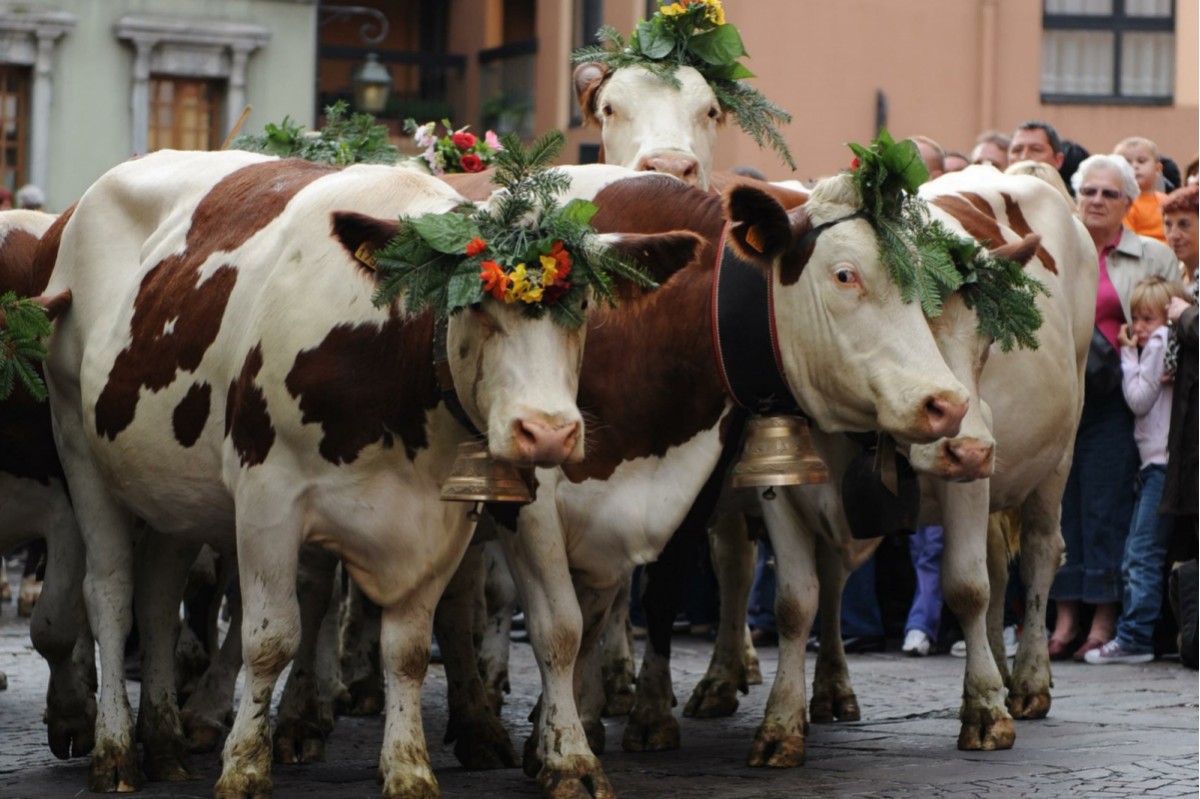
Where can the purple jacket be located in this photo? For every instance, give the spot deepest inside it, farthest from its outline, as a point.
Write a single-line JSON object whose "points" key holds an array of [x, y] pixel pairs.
{"points": [[1148, 397]]}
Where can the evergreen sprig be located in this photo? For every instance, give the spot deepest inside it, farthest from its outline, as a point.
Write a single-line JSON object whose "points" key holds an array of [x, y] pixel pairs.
{"points": [[521, 248], [695, 34], [21, 349], [928, 261], [344, 140]]}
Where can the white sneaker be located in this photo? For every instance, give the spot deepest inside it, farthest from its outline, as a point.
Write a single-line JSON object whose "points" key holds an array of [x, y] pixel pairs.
{"points": [[916, 643], [959, 649], [1011, 639]]}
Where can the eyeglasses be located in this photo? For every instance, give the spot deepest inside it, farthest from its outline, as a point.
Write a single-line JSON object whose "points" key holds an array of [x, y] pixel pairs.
{"points": [[1092, 191]]}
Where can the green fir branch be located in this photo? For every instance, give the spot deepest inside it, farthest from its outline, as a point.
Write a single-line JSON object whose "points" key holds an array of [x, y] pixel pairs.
{"points": [[25, 327]]}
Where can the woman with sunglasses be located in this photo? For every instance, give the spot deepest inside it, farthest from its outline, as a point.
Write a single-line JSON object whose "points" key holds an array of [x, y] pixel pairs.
{"points": [[1098, 500]]}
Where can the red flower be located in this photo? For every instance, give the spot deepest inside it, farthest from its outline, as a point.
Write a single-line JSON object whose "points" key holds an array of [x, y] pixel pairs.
{"points": [[552, 293], [495, 281], [470, 162], [476, 246], [854, 164], [464, 141]]}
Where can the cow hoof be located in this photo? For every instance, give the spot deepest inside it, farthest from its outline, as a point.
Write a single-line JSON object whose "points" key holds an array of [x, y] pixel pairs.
{"points": [[753, 670], [775, 748], [618, 701], [596, 735], [712, 698], [203, 735], [531, 764], [644, 733], [115, 770], [411, 786], [1029, 706], [575, 778], [166, 765], [71, 734], [827, 709], [987, 734], [481, 743], [298, 742], [243, 786], [366, 698]]}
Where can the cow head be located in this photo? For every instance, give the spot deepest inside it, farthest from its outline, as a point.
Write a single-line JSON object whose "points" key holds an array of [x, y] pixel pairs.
{"points": [[649, 125], [856, 356]]}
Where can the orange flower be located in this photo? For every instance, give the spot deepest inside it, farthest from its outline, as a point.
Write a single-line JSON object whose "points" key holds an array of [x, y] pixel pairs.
{"points": [[563, 258], [495, 282], [476, 246]]}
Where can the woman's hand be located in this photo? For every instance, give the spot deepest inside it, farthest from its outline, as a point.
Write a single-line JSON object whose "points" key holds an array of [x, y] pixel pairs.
{"points": [[1125, 338], [1176, 308]]}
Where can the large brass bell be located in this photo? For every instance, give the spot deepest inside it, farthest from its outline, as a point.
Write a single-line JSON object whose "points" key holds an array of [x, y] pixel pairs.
{"points": [[477, 477], [778, 452]]}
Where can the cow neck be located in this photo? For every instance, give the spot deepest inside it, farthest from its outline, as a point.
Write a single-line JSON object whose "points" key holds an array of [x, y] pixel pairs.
{"points": [[445, 378]]}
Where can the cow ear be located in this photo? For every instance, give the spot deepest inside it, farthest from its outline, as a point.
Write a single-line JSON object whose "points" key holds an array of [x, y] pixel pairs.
{"points": [[362, 235], [661, 255], [588, 79], [55, 304], [759, 228], [1019, 251]]}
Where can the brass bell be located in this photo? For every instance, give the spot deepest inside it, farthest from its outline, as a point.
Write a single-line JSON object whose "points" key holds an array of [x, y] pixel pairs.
{"points": [[477, 477], [778, 452]]}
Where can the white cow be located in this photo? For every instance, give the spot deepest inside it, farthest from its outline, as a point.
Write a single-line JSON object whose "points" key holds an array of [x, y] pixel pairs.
{"points": [[224, 375]]}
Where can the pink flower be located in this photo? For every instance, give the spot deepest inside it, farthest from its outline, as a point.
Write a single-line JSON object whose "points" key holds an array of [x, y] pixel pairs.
{"points": [[492, 141], [471, 162], [464, 141]]}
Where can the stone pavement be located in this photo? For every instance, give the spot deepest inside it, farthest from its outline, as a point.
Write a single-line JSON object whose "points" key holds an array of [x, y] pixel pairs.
{"points": [[1113, 731]]}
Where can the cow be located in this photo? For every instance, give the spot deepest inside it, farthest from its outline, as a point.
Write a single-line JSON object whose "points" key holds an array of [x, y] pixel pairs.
{"points": [[1024, 412], [224, 375], [35, 504]]}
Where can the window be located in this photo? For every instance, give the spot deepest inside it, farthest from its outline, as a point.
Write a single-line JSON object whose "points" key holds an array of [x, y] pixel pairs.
{"points": [[1108, 51], [185, 114], [14, 113]]}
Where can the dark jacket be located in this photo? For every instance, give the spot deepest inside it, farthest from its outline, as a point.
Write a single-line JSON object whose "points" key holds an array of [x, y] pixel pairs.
{"points": [[1179, 491]]}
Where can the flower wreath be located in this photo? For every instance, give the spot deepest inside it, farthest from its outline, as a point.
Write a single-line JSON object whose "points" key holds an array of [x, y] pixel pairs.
{"points": [[456, 150], [695, 34], [522, 248], [928, 261]]}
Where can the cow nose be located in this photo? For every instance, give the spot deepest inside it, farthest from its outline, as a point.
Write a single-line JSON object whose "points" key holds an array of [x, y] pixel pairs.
{"points": [[683, 167], [543, 443], [970, 458], [944, 414]]}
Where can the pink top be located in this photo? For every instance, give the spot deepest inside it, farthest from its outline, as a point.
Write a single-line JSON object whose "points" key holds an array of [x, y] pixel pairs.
{"points": [[1109, 316], [1148, 397]]}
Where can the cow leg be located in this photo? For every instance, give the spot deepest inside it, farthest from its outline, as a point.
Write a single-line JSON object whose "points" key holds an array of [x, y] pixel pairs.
{"points": [[31, 584], [405, 636], [208, 710], [163, 565], [303, 720], [617, 656], [833, 696], [361, 667], [500, 599], [986, 723], [480, 740], [557, 753], [1041, 554], [733, 558], [997, 567], [780, 740], [60, 633]]}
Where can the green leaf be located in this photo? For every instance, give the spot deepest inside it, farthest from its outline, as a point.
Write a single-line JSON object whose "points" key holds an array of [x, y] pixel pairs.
{"points": [[579, 211], [903, 159], [721, 45], [734, 71], [653, 40], [448, 233], [464, 287]]}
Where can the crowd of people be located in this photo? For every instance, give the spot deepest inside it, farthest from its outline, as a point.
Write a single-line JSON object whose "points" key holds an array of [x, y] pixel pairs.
{"points": [[1129, 516]]}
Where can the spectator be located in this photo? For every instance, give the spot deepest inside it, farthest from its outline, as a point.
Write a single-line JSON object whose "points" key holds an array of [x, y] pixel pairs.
{"points": [[925, 614], [1097, 502], [991, 147], [1172, 180], [932, 154], [1191, 176], [1145, 215], [1143, 347], [862, 620], [1074, 154], [956, 161], [31, 197], [1035, 140], [6, 199], [1179, 222]]}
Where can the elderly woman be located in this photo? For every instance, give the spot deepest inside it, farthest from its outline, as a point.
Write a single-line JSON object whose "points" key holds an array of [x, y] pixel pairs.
{"points": [[1098, 500], [1183, 235]]}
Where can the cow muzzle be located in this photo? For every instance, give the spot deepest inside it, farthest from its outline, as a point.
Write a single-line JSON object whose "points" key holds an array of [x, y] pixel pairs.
{"points": [[545, 442], [685, 167]]}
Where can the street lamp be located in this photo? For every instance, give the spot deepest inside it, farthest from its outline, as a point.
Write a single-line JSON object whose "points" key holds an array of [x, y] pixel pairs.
{"points": [[372, 85]]}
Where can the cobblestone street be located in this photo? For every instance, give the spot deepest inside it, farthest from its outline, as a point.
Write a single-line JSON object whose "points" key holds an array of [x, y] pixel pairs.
{"points": [[1115, 731]]}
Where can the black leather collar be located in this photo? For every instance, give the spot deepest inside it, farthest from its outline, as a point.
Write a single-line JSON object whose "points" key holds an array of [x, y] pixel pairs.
{"points": [[445, 379]]}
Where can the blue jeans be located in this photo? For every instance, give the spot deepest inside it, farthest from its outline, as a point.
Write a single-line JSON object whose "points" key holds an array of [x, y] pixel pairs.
{"points": [[1098, 502], [925, 547], [1142, 566], [760, 613]]}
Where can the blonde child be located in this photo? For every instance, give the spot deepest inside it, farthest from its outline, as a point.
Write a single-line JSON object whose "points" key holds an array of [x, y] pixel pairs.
{"points": [[1143, 344], [1145, 215]]}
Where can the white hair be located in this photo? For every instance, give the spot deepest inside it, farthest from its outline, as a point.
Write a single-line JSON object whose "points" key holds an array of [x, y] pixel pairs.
{"points": [[1111, 163], [30, 196]]}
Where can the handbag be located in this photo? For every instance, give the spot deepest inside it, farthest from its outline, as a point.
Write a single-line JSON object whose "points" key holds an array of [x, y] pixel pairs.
{"points": [[1103, 367]]}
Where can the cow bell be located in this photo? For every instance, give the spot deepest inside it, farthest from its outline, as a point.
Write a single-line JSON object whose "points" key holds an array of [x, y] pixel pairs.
{"points": [[478, 477], [778, 451]]}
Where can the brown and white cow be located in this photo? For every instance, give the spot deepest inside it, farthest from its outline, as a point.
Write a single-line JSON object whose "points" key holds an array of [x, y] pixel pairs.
{"points": [[34, 503], [1024, 402], [224, 376]]}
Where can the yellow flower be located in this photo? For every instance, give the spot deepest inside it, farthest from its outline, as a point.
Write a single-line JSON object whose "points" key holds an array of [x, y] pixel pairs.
{"points": [[673, 10], [549, 270], [519, 284], [533, 294], [714, 12]]}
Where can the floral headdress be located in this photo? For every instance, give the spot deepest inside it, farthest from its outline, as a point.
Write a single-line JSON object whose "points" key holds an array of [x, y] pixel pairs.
{"points": [[695, 34], [456, 150], [524, 248], [928, 261], [344, 140], [24, 325]]}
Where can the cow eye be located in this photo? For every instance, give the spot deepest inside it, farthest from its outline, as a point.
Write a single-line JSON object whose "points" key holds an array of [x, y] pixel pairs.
{"points": [[607, 109], [583, 306], [714, 112], [846, 276], [476, 307]]}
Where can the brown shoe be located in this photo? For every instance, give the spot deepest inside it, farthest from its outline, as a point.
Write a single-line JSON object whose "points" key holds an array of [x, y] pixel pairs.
{"points": [[1088, 646]]}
